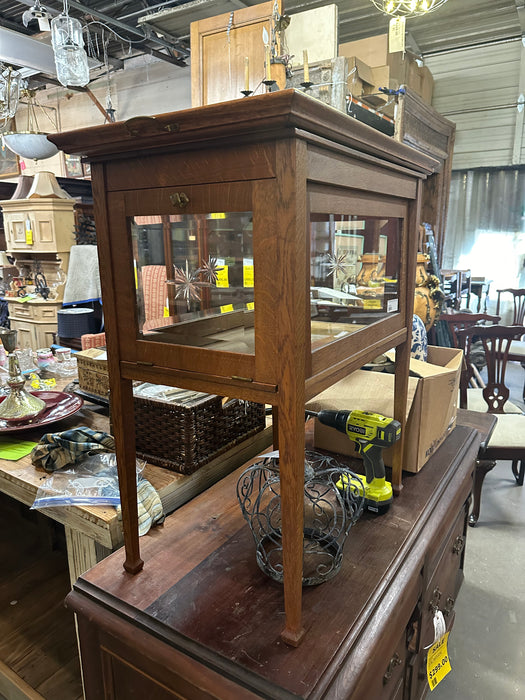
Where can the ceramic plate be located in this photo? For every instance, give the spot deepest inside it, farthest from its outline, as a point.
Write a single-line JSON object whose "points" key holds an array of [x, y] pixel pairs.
{"points": [[59, 405]]}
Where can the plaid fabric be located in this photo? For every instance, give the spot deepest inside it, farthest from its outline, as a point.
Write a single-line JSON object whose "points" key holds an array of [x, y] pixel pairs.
{"points": [[57, 450], [150, 510]]}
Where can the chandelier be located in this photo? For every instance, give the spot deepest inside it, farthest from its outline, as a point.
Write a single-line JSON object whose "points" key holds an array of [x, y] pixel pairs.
{"points": [[31, 142], [9, 94], [407, 8]]}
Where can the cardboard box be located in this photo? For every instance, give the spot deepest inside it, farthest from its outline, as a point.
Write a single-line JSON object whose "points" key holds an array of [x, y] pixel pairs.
{"points": [[390, 69], [420, 80], [363, 83], [432, 405], [374, 52], [360, 77]]}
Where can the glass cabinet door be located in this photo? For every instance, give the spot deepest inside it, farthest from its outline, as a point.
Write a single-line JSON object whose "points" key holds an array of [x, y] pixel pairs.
{"points": [[195, 279], [354, 273]]}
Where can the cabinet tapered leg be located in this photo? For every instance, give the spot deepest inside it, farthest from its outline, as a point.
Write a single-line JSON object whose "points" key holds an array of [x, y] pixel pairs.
{"points": [[291, 461], [124, 431]]}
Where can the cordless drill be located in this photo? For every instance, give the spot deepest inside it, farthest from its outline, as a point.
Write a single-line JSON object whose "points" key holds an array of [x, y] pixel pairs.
{"points": [[371, 432]]}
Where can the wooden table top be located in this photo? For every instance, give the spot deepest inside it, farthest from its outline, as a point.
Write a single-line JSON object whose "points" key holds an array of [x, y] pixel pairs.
{"points": [[20, 479]]}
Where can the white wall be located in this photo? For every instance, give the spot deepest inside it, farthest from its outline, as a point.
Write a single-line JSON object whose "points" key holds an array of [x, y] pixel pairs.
{"points": [[478, 89], [146, 86]]}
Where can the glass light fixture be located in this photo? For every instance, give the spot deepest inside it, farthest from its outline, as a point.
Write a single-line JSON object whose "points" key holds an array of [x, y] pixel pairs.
{"points": [[68, 46], [30, 143], [407, 8], [9, 92]]}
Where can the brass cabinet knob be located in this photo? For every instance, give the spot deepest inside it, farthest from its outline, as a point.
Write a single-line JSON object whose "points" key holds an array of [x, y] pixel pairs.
{"points": [[180, 200], [459, 544]]}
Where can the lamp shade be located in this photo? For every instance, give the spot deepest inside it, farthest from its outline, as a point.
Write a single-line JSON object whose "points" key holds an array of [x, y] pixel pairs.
{"points": [[30, 144], [45, 185], [72, 323]]}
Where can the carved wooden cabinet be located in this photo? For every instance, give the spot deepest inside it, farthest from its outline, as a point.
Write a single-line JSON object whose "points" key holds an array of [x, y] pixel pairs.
{"points": [[259, 209], [36, 322]]}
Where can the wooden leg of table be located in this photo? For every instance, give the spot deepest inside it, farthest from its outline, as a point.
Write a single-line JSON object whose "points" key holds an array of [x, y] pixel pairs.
{"points": [[82, 553], [483, 467]]}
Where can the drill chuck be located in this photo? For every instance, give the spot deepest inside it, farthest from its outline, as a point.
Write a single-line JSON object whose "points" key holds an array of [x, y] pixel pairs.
{"points": [[334, 419]]}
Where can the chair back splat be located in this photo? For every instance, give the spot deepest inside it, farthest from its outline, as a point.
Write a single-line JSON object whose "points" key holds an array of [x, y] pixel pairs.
{"points": [[496, 342], [519, 304]]}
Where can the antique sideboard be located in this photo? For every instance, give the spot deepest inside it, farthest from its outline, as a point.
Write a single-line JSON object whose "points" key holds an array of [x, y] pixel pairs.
{"points": [[202, 621]]}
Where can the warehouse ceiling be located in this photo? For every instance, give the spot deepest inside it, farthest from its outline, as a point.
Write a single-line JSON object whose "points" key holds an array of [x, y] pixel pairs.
{"points": [[119, 29]]}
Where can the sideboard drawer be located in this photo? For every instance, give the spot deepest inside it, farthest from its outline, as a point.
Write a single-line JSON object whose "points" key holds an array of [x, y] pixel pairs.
{"points": [[40, 311], [19, 310]]}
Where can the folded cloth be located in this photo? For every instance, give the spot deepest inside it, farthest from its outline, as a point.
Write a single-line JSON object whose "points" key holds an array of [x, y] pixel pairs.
{"points": [[57, 450], [83, 277], [150, 510]]}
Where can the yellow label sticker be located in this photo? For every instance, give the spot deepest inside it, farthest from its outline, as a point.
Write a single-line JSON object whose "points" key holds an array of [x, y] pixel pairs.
{"points": [[222, 277], [226, 308], [250, 305], [217, 215], [29, 236], [247, 275], [166, 312], [372, 304], [438, 663]]}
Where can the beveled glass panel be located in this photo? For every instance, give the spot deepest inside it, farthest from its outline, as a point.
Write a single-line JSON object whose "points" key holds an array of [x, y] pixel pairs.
{"points": [[354, 272], [195, 279]]}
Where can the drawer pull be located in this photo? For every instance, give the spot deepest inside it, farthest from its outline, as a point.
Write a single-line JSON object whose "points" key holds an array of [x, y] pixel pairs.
{"points": [[436, 597], [180, 200], [394, 662], [449, 606], [459, 544]]}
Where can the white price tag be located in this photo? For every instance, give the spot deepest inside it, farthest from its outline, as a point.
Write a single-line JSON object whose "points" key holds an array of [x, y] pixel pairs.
{"points": [[396, 34]]}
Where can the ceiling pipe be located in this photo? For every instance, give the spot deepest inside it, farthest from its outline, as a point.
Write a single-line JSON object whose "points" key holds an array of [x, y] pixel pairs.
{"points": [[128, 28]]}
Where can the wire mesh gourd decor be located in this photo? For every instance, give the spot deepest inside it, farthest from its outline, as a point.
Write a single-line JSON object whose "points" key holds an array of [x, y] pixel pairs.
{"points": [[329, 513]]}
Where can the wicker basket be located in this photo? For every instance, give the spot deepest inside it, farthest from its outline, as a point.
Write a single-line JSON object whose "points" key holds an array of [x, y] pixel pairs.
{"points": [[185, 437]]}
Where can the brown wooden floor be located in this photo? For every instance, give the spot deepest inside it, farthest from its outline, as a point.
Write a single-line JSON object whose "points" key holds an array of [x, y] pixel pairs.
{"points": [[37, 634]]}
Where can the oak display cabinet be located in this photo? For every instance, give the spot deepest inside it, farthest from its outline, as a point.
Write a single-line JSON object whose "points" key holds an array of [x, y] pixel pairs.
{"points": [[259, 209]]}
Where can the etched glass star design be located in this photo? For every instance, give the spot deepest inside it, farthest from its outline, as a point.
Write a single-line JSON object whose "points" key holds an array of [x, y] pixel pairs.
{"points": [[337, 263]]}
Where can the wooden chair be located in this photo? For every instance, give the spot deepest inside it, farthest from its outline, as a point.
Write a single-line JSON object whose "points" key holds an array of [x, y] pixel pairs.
{"points": [[456, 322], [459, 320], [507, 442], [92, 340], [517, 350]]}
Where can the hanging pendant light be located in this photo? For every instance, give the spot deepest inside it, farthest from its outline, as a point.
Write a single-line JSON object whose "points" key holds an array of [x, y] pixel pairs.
{"points": [[407, 8], [68, 46], [9, 92], [31, 143]]}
